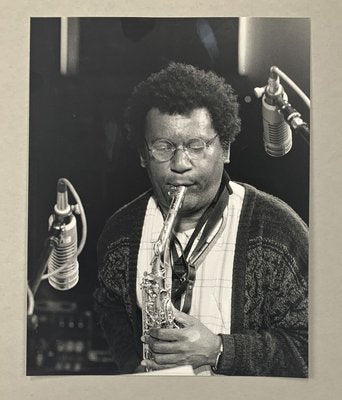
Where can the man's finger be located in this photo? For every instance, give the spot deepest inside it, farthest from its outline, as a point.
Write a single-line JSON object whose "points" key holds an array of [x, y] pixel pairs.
{"points": [[168, 359], [153, 366], [167, 334], [165, 347], [184, 319]]}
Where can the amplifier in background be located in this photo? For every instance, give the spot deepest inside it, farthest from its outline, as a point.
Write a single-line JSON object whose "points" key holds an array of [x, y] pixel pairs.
{"points": [[64, 342]]}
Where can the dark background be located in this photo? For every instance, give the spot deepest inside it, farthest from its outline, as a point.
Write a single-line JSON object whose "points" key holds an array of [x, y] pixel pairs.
{"points": [[76, 132]]}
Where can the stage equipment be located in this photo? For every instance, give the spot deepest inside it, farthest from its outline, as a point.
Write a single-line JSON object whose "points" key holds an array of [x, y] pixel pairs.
{"points": [[279, 117]]}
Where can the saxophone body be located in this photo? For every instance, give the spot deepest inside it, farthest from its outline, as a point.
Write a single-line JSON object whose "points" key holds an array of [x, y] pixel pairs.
{"points": [[157, 311]]}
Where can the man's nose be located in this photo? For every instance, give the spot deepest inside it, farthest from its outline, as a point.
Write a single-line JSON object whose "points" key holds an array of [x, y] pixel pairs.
{"points": [[180, 161]]}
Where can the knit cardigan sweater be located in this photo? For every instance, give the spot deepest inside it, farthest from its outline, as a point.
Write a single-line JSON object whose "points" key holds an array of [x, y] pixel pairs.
{"points": [[269, 321]]}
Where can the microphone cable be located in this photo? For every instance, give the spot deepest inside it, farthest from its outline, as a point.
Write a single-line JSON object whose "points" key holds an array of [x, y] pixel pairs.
{"points": [[291, 83]]}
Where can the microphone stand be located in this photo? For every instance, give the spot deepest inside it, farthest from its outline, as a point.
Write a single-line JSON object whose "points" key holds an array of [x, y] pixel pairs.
{"points": [[49, 245]]}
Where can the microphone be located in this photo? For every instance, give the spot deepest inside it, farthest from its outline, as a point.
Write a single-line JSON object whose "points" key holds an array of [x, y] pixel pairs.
{"points": [[62, 263], [277, 134]]}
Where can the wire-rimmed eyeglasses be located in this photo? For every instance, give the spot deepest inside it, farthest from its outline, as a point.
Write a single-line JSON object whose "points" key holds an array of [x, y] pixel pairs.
{"points": [[164, 150]]}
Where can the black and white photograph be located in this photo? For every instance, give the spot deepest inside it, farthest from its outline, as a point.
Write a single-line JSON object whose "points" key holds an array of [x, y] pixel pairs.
{"points": [[168, 196]]}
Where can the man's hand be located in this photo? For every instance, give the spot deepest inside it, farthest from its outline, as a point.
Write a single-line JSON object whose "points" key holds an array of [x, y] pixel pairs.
{"points": [[194, 344], [139, 369]]}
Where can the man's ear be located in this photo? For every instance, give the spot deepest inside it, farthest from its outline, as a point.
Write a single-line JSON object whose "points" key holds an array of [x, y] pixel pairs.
{"points": [[143, 155], [226, 155], [143, 161]]}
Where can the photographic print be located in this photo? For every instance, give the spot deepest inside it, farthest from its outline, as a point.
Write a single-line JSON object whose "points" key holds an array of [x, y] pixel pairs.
{"points": [[168, 204]]}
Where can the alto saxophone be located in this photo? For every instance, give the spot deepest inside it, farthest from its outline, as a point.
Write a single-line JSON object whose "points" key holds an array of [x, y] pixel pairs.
{"points": [[157, 311]]}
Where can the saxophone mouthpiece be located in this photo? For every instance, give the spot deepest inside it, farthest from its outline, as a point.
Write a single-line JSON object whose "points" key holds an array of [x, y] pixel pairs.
{"points": [[173, 191], [176, 191]]}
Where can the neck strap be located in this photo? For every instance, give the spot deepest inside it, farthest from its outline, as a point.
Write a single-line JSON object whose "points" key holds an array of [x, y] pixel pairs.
{"points": [[183, 270]]}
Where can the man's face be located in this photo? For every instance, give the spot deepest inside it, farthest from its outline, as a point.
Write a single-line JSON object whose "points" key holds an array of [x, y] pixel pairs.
{"points": [[202, 175]]}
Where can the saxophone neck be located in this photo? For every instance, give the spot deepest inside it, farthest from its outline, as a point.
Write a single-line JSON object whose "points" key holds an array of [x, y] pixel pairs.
{"points": [[178, 194]]}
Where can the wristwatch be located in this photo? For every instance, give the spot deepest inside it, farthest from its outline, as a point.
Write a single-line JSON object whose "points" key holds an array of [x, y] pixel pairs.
{"points": [[214, 368]]}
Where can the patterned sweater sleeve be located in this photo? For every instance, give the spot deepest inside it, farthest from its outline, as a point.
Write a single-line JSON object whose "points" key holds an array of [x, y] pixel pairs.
{"points": [[111, 301], [116, 327], [270, 337]]}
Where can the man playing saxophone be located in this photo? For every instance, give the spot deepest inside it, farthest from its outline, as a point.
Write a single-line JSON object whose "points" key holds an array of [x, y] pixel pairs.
{"points": [[236, 259]]}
